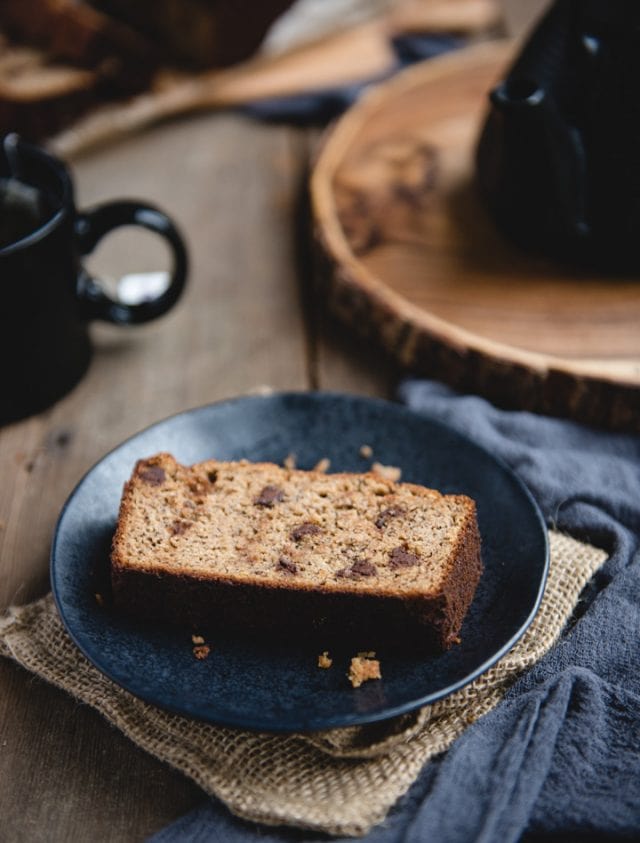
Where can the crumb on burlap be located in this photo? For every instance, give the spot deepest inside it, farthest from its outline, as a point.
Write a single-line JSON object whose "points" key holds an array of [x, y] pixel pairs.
{"points": [[366, 452], [324, 660], [197, 639], [388, 472], [99, 598], [289, 461], [201, 651], [322, 465], [363, 669]]}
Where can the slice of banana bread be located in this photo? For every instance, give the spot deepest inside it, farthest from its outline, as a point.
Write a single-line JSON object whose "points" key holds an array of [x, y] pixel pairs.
{"points": [[256, 547]]}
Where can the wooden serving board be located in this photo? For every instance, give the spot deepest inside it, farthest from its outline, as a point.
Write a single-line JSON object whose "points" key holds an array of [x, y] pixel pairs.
{"points": [[418, 265]]}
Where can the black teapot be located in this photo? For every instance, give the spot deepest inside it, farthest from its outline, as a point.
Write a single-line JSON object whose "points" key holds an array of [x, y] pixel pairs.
{"points": [[558, 160]]}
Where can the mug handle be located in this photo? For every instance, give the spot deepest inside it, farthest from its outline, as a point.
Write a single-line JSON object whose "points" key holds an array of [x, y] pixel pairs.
{"points": [[91, 226]]}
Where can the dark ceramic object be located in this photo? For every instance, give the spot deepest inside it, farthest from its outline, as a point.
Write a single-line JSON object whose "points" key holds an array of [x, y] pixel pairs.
{"points": [[279, 687], [559, 157], [48, 299]]}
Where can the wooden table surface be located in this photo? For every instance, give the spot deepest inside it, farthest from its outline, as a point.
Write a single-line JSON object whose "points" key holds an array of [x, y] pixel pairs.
{"points": [[249, 319]]}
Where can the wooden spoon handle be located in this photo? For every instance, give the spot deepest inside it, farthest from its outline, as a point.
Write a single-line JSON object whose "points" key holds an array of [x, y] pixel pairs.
{"points": [[354, 55]]}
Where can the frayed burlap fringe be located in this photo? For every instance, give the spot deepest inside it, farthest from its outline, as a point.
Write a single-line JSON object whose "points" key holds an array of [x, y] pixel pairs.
{"points": [[342, 782]]}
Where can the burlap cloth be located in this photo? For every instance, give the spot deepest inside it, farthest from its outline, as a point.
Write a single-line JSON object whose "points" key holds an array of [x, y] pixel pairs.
{"points": [[343, 781]]}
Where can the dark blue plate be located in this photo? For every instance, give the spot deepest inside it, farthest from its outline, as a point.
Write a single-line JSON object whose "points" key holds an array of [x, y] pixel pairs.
{"points": [[279, 687]]}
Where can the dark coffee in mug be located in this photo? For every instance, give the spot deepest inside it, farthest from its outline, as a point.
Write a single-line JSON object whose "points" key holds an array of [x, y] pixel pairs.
{"points": [[48, 298]]}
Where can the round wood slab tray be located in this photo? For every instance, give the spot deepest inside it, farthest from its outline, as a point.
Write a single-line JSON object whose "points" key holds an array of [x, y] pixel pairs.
{"points": [[418, 265]]}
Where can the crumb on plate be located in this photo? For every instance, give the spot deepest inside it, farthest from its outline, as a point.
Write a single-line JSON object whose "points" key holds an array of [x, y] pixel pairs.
{"points": [[324, 660], [363, 669], [388, 472]]}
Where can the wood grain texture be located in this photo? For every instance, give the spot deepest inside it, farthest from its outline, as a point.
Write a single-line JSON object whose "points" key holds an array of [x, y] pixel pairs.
{"points": [[339, 358], [245, 322], [419, 266], [69, 776]]}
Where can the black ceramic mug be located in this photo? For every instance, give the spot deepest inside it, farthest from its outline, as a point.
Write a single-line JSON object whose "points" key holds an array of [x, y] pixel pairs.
{"points": [[47, 298]]}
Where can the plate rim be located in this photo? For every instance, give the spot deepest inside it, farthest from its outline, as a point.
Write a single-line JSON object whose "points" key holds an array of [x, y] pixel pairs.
{"points": [[329, 722]]}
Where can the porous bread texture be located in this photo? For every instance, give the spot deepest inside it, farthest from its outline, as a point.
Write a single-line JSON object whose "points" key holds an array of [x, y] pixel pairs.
{"points": [[211, 521], [233, 527]]}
